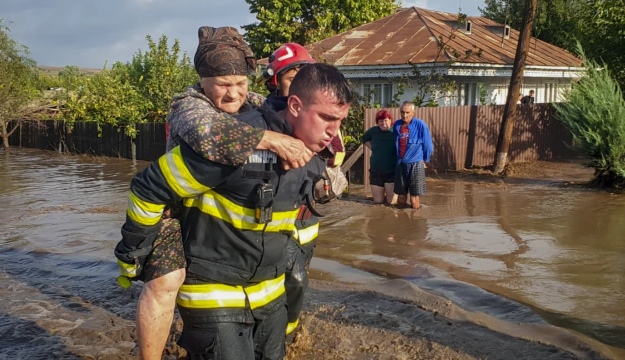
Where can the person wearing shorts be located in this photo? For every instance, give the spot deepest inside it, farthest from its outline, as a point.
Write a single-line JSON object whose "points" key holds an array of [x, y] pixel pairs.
{"points": [[381, 140], [414, 150]]}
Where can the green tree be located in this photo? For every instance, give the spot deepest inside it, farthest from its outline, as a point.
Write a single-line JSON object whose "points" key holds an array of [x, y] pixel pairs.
{"points": [[107, 99], [603, 35], [18, 84], [557, 22], [599, 25], [352, 127], [135, 92], [158, 74], [70, 77], [308, 21], [594, 112]]}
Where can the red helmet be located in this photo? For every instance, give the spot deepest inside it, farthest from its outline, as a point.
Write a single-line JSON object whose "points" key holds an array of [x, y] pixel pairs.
{"points": [[286, 57]]}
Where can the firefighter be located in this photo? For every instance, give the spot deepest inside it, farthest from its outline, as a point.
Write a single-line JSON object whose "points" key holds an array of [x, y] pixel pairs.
{"points": [[201, 117], [236, 224]]}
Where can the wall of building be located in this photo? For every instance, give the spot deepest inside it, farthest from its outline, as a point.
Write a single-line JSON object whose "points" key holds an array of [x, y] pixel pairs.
{"points": [[470, 91]]}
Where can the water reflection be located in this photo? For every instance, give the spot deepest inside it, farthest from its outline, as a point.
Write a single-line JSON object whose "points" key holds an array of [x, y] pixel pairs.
{"points": [[554, 249], [379, 239]]}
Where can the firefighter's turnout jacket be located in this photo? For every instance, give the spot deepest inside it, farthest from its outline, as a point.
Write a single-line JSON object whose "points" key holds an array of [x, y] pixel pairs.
{"points": [[234, 261]]}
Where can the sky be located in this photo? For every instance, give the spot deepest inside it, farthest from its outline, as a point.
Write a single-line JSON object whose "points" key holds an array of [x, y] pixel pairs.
{"points": [[96, 34]]}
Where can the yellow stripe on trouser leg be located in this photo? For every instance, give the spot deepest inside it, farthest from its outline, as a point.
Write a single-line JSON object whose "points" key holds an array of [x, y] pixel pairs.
{"points": [[291, 326]]}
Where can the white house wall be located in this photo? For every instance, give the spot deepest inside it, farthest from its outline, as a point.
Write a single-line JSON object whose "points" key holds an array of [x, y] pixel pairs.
{"points": [[546, 90]]}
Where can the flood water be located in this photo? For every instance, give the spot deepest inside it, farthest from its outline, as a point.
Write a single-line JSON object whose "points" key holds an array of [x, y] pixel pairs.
{"points": [[527, 252]]}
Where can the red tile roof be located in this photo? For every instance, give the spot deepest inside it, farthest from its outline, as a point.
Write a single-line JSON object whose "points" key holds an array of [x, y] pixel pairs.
{"points": [[412, 35]]}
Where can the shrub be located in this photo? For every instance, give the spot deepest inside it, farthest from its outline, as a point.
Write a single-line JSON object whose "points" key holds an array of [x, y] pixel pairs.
{"points": [[594, 112]]}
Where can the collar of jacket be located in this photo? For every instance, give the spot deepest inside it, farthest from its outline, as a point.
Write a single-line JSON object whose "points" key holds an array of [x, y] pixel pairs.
{"points": [[274, 121], [277, 102]]}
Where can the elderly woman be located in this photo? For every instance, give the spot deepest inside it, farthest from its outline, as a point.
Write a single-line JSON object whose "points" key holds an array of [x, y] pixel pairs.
{"points": [[381, 140]]}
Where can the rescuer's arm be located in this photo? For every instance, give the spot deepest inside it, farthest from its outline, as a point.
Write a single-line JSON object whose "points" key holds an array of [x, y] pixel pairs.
{"points": [[175, 176]]}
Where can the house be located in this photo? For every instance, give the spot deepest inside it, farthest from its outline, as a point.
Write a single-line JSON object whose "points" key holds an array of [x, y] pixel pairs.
{"points": [[444, 58]]}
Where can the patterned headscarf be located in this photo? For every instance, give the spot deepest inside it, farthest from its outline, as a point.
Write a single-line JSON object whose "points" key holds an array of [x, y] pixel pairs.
{"points": [[222, 51]]}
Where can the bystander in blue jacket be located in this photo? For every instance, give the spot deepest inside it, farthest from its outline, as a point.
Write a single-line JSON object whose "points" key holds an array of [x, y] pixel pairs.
{"points": [[414, 149]]}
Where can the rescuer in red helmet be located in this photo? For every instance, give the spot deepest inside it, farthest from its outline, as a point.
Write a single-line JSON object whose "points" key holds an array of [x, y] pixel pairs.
{"points": [[284, 63]]}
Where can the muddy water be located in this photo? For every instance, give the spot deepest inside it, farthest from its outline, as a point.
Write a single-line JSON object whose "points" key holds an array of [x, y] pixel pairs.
{"points": [[522, 253], [531, 252]]}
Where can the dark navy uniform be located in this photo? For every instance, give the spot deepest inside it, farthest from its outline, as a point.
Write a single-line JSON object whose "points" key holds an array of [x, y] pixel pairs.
{"points": [[233, 301]]}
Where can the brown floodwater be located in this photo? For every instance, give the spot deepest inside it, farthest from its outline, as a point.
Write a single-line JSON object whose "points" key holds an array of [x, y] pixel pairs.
{"points": [[525, 253]]}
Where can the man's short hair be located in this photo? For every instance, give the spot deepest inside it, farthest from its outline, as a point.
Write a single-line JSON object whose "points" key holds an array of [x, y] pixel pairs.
{"points": [[409, 103], [324, 77]]}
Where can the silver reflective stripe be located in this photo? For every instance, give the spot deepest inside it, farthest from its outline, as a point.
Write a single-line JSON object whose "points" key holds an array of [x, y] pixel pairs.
{"points": [[181, 180], [262, 157], [137, 211], [224, 209], [261, 294], [212, 295]]}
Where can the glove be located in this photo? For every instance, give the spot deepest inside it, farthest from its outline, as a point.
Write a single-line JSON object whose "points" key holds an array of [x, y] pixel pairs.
{"points": [[131, 263]]}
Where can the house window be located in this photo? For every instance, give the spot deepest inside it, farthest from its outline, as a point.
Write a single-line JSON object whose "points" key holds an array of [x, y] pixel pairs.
{"points": [[468, 94], [379, 94], [468, 27]]}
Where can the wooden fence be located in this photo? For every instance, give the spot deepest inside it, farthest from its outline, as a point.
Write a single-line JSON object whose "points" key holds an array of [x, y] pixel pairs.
{"points": [[86, 138], [463, 136], [466, 136]]}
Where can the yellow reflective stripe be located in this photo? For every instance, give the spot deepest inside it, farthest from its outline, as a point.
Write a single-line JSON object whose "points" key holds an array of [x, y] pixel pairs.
{"points": [[339, 156], [178, 176], [239, 216], [143, 212], [307, 234], [129, 270], [291, 326], [209, 296], [265, 292]]}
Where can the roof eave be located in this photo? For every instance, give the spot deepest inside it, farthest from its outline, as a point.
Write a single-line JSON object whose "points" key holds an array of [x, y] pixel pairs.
{"points": [[459, 69]]}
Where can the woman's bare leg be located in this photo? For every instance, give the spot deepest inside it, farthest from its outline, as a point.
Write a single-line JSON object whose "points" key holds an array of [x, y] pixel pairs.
{"points": [[155, 313]]}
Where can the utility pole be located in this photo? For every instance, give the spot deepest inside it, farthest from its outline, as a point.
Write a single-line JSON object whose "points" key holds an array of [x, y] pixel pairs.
{"points": [[509, 112]]}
